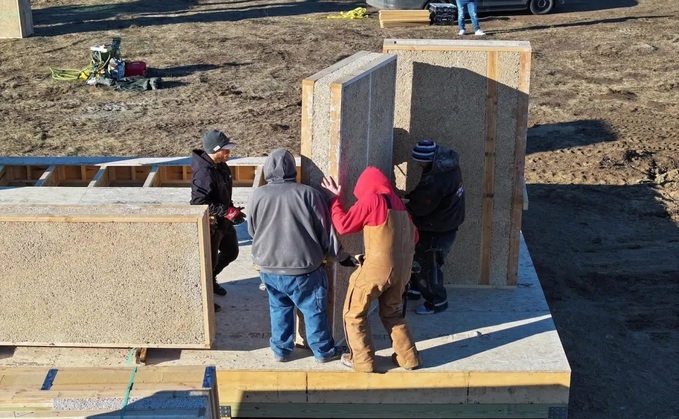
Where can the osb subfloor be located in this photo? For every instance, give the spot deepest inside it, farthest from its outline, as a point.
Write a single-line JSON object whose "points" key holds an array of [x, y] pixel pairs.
{"points": [[485, 330]]}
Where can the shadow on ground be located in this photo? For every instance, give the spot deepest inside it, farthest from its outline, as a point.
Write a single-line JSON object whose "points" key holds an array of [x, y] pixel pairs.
{"points": [[60, 20]]}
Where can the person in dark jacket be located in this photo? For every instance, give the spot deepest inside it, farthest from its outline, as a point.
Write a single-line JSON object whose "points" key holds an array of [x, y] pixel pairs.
{"points": [[292, 234], [437, 207], [212, 185]]}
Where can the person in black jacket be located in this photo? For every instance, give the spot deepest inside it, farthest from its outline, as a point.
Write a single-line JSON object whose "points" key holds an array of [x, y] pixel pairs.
{"points": [[437, 207], [212, 185]]}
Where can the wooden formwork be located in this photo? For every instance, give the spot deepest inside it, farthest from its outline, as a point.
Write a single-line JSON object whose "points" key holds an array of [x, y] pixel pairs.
{"points": [[471, 96], [106, 276], [113, 172], [347, 125], [144, 391]]}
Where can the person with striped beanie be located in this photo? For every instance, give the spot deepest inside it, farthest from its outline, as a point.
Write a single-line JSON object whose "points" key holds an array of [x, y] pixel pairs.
{"points": [[437, 207]]}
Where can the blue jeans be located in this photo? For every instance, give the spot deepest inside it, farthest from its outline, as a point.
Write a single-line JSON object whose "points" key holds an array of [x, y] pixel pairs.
{"points": [[471, 8], [309, 293]]}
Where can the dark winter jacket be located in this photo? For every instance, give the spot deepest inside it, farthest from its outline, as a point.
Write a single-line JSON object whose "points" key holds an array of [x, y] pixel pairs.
{"points": [[289, 222], [437, 202], [211, 185]]}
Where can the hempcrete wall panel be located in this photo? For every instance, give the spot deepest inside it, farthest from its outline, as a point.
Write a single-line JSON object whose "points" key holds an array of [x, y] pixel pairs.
{"points": [[352, 120], [106, 276], [16, 19], [469, 95]]}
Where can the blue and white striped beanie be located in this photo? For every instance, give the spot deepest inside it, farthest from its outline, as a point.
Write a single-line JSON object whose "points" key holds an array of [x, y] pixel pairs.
{"points": [[424, 151]]}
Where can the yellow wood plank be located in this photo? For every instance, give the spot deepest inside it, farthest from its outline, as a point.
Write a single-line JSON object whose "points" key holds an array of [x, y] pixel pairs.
{"points": [[519, 192], [205, 249], [262, 386], [489, 166]]}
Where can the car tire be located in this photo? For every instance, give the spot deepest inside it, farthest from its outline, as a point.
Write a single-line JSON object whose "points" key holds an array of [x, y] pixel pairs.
{"points": [[541, 7]]}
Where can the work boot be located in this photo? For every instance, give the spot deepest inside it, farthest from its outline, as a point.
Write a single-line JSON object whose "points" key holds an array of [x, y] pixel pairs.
{"points": [[218, 289], [429, 308], [394, 359]]}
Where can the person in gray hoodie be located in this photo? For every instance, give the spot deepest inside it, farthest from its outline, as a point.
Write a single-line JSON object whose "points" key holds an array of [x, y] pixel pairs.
{"points": [[292, 234]]}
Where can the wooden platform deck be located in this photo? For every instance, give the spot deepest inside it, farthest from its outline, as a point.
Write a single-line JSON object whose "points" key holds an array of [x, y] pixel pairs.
{"points": [[495, 353]]}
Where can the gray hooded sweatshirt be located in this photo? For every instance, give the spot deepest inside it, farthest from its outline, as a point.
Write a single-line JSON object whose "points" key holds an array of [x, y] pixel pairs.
{"points": [[289, 222]]}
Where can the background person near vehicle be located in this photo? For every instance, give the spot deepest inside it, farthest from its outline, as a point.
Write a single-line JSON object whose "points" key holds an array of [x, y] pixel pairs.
{"points": [[471, 7]]}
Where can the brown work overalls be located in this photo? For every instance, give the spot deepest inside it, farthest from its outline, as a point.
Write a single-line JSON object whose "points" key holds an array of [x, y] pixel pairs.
{"points": [[389, 250]]}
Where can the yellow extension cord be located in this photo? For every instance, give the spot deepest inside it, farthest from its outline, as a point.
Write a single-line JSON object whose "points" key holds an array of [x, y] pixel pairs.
{"points": [[357, 13]]}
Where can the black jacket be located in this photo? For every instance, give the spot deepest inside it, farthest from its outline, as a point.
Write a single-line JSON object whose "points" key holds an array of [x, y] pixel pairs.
{"points": [[437, 202], [211, 185]]}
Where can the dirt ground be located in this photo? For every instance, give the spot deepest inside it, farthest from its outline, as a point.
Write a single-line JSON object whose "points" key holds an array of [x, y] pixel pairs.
{"points": [[602, 163]]}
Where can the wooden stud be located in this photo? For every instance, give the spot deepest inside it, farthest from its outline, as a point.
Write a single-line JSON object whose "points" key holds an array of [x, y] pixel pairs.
{"points": [[100, 178], [206, 278], [519, 169], [306, 130], [153, 179], [437, 45], [50, 177], [489, 167], [109, 218]]}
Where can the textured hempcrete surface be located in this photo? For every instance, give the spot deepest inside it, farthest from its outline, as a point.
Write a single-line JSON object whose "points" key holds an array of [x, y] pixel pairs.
{"points": [[16, 18], [352, 128], [321, 108], [102, 283], [442, 96]]}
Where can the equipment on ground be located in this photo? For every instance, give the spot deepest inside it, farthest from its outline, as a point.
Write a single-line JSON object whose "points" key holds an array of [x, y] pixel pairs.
{"points": [[442, 13], [106, 67]]}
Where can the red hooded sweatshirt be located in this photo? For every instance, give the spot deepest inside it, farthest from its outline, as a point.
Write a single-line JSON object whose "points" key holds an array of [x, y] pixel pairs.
{"points": [[372, 190]]}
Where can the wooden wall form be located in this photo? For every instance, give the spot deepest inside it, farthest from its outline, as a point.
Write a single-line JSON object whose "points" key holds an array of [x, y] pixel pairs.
{"points": [[471, 96], [112, 172], [16, 19], [135, 392], [347, 125], [106, 276]]}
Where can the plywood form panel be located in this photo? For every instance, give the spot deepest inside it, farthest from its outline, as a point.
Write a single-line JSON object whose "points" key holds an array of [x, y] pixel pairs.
{"points": [[107, 276], [16, 19], [444, 95]]}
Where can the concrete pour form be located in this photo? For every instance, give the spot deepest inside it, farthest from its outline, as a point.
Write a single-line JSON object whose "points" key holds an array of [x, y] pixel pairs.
{"points": [[105, 276], [471, 96], [16, 19], [347, 125]]}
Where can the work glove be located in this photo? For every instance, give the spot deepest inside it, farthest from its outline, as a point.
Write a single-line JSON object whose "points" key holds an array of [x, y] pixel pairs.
{"points": [[235, 215], [352, 261]]}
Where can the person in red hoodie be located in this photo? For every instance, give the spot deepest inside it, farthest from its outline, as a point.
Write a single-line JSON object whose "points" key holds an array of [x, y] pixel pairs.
{"points": [[383, 272]]}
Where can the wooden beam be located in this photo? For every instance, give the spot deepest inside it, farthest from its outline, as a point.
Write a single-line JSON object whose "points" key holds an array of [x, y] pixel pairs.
{"points": [[50, 177], [306, 130], [153, 179], [101, 178], [489, 166], [206, 277], [519, 189], [99, 218]]}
